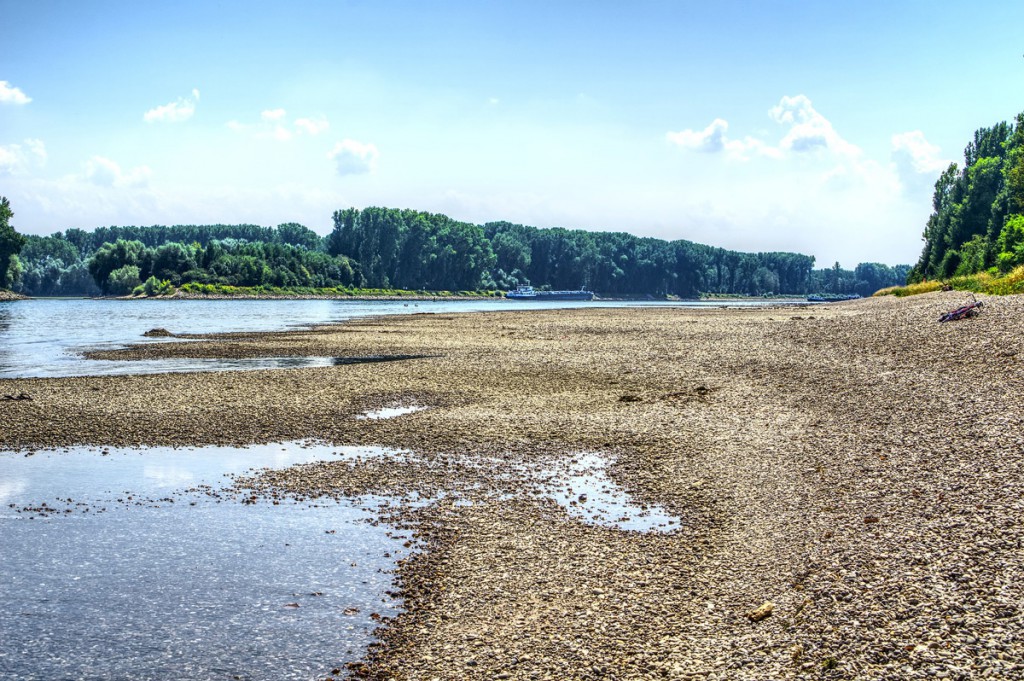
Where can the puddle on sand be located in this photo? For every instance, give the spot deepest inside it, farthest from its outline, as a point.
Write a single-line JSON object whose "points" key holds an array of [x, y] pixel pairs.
{"points": [[131, 567], [178, 364], [390, 412], [583, 487]]}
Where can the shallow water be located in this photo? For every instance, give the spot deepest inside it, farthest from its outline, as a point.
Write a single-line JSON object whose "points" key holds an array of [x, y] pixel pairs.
{"points": [[46, 336], [390, 412], [582, 486], [124, 564]]}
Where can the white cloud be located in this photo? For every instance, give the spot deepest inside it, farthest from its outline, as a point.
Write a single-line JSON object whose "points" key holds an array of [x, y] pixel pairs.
{"points": [[273, 124], [175, 112], [917, 161], [18, 159], [104, 172], [312, 126], [353, 158], [809, 130], [12, 95], [917, 154], [713, 139], [710, 139]]}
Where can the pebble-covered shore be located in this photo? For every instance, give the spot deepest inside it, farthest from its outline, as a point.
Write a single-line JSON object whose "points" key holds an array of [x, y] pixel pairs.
{"points": [[856, 466]]}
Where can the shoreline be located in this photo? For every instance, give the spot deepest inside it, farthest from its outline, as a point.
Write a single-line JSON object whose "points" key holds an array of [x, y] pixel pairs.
{"points": [[834, 461]]}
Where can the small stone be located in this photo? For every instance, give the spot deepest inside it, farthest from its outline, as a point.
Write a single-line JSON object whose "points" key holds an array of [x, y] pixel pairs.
{"points": [[761, 611]]}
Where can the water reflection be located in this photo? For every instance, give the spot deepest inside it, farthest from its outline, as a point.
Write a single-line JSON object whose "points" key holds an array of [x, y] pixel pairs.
{"points": [[180, 364], [131, 568]]}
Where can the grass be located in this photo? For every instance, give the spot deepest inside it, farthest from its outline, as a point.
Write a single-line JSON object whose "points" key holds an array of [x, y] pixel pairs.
{"points": [[981, 282]]}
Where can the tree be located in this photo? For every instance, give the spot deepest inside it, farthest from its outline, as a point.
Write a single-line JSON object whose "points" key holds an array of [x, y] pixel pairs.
{"points": [[123, 280], [113, 256], [10, 244]]}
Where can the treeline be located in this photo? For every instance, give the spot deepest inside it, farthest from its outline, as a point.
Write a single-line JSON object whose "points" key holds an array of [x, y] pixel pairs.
{"points": [[115, 260], [977, 223], [412, 249], [385, 248]]}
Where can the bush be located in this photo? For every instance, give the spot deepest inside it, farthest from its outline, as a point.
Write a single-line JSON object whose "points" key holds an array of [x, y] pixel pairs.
{"points": [[155, 287], [123, 280]]}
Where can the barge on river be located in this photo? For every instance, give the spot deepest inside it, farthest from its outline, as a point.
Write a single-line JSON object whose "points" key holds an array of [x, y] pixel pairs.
{"points": [[530, 293]]}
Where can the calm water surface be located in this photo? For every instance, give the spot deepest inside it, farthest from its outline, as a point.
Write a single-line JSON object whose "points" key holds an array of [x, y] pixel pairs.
{"points": [[45, 337]]}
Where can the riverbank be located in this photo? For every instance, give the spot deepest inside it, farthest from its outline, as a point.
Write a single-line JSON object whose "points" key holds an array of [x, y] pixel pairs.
{"points": [[10, 295], [856, 465]]}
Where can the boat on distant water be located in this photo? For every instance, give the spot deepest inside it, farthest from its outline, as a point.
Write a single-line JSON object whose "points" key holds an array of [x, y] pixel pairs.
{"points": [[530, 293]]}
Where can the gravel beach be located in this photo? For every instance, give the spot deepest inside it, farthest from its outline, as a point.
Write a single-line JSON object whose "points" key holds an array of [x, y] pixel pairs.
{"points": [[851, 470]]}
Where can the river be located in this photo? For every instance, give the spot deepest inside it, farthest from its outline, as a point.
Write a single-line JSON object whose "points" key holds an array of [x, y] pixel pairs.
{"points": [[45, 337]]}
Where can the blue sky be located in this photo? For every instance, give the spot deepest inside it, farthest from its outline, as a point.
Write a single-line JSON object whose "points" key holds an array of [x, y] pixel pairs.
{"points": [[811, 127]]}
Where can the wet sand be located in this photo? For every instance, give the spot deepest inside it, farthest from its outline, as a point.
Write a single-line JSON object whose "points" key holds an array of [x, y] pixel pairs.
{"points": [[856, 465]]}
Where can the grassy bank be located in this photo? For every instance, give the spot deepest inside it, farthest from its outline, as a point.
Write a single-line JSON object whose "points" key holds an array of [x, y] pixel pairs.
{"points": [[982, 282]]}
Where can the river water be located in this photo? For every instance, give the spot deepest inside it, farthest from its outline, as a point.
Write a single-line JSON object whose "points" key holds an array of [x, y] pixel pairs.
{"points": [[46, 336]]}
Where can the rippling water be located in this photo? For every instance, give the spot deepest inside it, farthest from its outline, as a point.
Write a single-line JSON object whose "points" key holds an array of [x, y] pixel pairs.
{"points": [[114, 566]]}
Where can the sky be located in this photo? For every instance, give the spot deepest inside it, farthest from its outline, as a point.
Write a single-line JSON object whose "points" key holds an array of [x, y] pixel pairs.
{"points": [[815, 127]]}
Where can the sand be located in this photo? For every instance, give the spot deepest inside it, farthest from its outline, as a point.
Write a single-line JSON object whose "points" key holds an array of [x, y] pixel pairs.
{"points": [[856, 465]]}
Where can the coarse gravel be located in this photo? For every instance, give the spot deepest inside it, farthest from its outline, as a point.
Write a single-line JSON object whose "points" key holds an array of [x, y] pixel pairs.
{"points": [[10, 296], [857, 466]]}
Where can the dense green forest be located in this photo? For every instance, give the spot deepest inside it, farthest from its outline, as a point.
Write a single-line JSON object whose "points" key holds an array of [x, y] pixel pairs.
{"points": [[11, 244], [978, 219], [407, 249]]}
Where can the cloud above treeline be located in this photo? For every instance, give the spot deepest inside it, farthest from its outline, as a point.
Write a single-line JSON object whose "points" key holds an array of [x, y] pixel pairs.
{"points": [[353, 158], [105, 172], [12, 95], [16, 159], [808, 133], [175, 112]]}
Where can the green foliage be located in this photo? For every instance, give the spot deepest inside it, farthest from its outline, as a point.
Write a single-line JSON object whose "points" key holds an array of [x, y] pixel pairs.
{"points": [[123, 280], [412, 249], [10, 245], [975, 208], [1011, 244], [389, 250], [155, 287]]}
